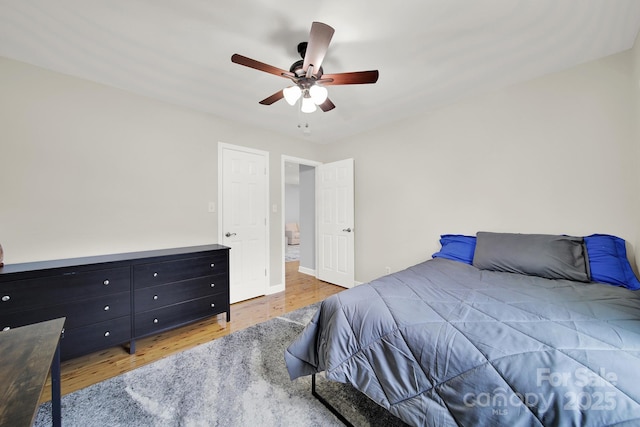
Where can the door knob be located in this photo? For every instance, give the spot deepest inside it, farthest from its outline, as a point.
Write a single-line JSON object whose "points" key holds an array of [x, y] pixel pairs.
{"points": [[348, 230], [230, 234]]}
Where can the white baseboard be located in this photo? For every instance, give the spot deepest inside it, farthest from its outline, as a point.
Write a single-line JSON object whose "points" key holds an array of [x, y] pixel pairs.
{"points": [[308, 271], [275, 289]]}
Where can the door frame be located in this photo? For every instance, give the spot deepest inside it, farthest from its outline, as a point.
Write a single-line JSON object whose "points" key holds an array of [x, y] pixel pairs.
{"points": [[265, 154], [290, 159]]}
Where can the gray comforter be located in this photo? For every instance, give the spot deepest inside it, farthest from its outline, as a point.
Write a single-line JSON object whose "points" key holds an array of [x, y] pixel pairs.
{"points": [[443, 343]]}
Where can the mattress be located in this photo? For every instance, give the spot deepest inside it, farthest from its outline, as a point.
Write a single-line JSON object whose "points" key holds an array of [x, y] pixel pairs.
{"points": [[444, 343]]}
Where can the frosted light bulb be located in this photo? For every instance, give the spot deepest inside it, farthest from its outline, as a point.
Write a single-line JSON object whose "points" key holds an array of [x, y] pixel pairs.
{"points": [[307, 105], [318, 94], [291, 94]]}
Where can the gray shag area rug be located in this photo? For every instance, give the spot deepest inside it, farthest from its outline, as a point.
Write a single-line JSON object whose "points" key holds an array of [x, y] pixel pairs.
{"points": [[236, 380]]}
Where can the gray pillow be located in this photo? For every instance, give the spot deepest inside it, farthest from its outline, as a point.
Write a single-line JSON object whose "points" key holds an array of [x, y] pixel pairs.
{"points": [[544, 255]]}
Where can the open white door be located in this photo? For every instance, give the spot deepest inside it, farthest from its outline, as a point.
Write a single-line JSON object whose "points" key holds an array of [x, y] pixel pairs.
{"points": [[335, 223], [243, 222]]}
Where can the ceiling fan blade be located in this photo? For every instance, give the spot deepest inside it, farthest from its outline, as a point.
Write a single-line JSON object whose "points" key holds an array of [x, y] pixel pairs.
{"points": [[353, 78], [261, 66], [273, 98], [319, 39], [327, 105]]}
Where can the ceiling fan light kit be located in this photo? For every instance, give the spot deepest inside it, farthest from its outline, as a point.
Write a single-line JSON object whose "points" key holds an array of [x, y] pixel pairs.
{"points": [[307, 74]]}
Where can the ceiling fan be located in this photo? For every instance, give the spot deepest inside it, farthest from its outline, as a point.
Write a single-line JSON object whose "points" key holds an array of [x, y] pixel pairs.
{"points": [[307, 74]]}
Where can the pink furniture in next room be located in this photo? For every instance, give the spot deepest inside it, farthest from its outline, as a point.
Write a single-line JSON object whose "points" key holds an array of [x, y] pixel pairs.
{"points": [[292, 232]]}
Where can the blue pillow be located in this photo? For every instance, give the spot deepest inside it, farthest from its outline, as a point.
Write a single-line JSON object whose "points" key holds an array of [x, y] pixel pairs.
{"points": [[608, 261], [457, 247]]}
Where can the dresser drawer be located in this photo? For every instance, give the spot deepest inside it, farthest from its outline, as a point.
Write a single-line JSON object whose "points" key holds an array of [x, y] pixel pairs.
{"points": [[158, 273], [95, 337], [78, 313], [154, 297], [62, 288], [158, 320]]}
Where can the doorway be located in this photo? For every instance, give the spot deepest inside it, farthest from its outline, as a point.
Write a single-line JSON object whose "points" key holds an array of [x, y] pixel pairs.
{"points": [[326, 206], [298, 211]]}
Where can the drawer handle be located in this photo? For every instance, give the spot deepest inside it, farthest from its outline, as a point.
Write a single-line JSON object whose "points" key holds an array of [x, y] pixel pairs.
{"points": [[106, 334], [6, 298], [213, 305], [106, 308], [6, 328], [155, 274], [212, 265], [213, 285], [155, 297], [106, 282], [155, 320]]}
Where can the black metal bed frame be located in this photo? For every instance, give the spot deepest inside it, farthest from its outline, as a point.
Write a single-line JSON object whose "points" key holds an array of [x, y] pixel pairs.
{"points": [[328, 405]]}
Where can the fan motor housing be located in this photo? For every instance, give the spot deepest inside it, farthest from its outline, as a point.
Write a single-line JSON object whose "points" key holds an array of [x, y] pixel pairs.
{"points": [[296, 67]]}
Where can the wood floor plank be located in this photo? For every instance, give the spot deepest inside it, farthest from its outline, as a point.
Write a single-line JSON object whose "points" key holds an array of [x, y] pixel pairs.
{"points": [[301, 290]]}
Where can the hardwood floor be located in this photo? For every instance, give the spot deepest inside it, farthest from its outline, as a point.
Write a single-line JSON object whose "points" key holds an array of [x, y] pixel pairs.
{"points": [[301, 290]]}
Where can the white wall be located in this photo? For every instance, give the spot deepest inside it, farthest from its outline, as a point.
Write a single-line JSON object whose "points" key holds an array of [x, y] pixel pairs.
{"points": [[88, 169], [307, 218], [553, 155], [292, 203], [635, 90]]}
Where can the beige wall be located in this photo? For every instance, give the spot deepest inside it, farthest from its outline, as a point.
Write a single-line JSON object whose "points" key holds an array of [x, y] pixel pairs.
{"points": [[635, 90], [88, 169], [553, 155]]}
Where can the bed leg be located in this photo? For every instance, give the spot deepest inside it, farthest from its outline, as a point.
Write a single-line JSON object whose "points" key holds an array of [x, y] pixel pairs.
{"points": [[330, 407]]}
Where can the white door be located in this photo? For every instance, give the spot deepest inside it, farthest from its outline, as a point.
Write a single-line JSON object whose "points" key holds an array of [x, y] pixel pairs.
{"points": [[335, 223], [243, 222]]}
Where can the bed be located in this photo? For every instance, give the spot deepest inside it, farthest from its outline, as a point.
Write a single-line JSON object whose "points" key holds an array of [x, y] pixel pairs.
{"points": [[496, 329]]}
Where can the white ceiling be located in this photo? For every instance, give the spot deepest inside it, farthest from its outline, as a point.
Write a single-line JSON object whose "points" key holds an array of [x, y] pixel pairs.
{"points": [[429, 52]]}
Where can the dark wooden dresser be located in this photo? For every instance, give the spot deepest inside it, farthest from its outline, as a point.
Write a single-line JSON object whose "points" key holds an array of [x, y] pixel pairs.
{"points": [[110, 300]]}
